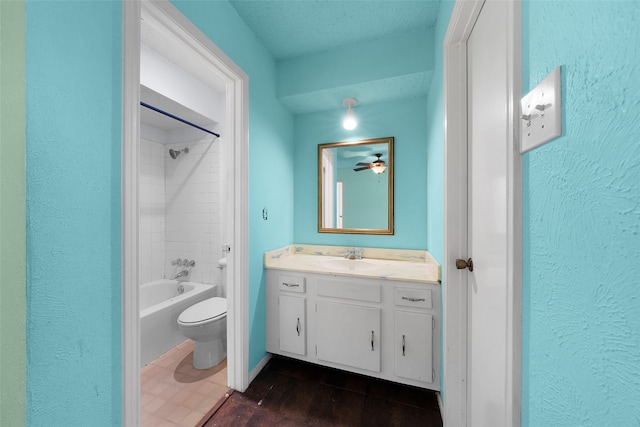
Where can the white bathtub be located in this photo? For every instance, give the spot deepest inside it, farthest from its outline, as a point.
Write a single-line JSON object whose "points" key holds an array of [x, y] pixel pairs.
{"points": [[160, 306]]}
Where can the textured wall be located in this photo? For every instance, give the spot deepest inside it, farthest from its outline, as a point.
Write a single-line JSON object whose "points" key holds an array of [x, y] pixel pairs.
{"points": [[581, 302], [12, 215], [435, 147], [270, 150], [74, 116], [403, 120]]}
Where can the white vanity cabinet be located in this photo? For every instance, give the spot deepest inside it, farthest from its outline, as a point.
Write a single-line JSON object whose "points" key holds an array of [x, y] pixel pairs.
{"points": [[388, 329], [292, 324], [287, 319], [348, 334]]}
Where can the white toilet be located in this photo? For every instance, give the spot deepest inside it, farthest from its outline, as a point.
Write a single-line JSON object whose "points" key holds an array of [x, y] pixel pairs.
{"points": [[206, 324]]}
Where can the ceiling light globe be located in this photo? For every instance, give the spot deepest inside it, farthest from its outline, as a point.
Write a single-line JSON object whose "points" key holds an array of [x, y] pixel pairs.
{"points": [[350, 122]]}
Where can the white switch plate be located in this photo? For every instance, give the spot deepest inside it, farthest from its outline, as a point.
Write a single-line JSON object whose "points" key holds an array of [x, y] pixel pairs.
{"points": [[541, 118]]}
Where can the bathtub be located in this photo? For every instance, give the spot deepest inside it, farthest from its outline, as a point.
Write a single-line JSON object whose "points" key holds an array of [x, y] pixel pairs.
{"points": [[160, 306]]}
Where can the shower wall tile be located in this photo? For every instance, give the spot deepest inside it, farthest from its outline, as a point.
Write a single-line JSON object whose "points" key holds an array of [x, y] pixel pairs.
{"points": [[180, 209], [192, 218], [152, 210]]}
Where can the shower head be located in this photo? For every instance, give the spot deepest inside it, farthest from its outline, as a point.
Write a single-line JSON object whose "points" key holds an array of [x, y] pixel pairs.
{"points": [[175, 153]]}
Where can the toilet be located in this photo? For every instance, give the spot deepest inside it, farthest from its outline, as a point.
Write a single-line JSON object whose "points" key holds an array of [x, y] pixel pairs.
{"points": [[206, 324]]}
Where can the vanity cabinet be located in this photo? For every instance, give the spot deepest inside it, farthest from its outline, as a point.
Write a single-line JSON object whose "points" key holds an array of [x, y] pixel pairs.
{"points": [[413, 342], [348, 334], [388, 329], [292, 324], [287, 320]]}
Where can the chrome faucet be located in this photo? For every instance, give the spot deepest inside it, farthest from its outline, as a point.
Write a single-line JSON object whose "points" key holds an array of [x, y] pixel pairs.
{"points": [[353, 253], [183, 273]]}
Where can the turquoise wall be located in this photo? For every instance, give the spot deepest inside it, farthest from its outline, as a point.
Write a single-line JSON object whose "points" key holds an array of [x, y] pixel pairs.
{"points": [[581, 301], [74, 116], [403, 120], [365, 198], [270, 151], [435, 138]]}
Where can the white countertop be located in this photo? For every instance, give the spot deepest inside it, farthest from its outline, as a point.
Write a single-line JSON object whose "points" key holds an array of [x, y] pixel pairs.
{"points": [[388, 264]]}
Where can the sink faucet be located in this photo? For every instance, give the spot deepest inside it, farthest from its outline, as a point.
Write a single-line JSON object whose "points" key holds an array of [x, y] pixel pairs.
{"points": [[183, 273], [353, 253]]}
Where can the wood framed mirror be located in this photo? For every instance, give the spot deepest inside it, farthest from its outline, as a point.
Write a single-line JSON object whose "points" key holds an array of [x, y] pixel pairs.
{"points": [[355, 187]]}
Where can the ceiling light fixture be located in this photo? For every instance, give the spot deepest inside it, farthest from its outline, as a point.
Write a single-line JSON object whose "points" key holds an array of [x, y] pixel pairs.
{"points": [[349, 122], [378, 166]]}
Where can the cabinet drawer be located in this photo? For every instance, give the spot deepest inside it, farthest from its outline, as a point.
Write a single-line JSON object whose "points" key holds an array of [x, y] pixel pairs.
{"points": [[349, 290], [419, 298], [291, 283]]}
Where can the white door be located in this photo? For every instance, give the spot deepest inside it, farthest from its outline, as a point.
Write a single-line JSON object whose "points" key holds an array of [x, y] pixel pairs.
{"points": [[328, 198], [293, 325], [339, 204], [413, 346], [488, 162], [348, 334]]}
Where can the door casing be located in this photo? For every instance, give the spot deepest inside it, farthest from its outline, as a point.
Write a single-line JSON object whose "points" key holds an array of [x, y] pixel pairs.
{"points": [[236, 133], [455, 295]]}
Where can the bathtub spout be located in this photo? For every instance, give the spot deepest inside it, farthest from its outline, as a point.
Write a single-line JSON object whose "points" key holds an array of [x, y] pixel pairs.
{"points": [[183, 273]]}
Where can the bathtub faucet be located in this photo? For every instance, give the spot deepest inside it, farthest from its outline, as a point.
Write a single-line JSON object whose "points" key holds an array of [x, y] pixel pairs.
{"points": [[183, 273]]}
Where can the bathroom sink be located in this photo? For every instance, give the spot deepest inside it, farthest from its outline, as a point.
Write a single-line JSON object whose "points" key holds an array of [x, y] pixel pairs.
{"points": [[348, 265]]}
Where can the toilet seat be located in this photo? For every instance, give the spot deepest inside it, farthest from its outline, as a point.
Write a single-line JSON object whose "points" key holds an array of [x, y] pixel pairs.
{"points": [[206, 310]]}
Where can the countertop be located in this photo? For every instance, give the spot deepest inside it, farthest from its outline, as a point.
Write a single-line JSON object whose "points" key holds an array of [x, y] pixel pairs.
{"points": [[376, 263]]}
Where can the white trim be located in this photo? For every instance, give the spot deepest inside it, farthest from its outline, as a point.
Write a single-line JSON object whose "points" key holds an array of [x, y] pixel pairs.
{"points": [[514, 217], [440, 402], [462, 20], [236, 133], [130, 217], [260, 366]]}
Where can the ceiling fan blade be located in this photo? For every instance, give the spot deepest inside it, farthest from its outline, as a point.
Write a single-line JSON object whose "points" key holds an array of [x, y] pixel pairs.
{"points": [[361, 169], [362, 164]]}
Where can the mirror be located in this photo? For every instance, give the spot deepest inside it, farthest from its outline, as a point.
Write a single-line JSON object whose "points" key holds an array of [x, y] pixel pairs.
{"points": [[355, 187]]}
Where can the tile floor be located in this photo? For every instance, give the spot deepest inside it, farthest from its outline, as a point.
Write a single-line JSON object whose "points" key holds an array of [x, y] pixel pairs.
{"points": [[173, 393]]}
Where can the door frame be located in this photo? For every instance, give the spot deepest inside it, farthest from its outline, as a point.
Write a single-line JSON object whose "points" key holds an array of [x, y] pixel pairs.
{"points": [[455, 295], [236, 133]]}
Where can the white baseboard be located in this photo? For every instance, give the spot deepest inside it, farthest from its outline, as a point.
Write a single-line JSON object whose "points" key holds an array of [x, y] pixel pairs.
{"points": [[441, 406], [254, 373]]}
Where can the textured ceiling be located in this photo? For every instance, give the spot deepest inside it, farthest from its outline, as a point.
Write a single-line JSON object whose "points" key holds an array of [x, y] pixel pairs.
{"points": [[294, 28]]}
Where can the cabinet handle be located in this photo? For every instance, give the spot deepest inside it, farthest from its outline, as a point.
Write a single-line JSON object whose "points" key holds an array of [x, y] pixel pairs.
{"points": [[413, 299], [290, 285], [298, 327], [372, 341], [403, 345]]}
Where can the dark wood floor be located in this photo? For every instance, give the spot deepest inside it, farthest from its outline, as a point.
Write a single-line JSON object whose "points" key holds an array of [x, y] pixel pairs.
{"points": [[292, 393]]}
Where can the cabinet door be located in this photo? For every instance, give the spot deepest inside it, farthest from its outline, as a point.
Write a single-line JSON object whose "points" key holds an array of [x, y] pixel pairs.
{"points": [[292, 324], [413, 346], [348, 334]]}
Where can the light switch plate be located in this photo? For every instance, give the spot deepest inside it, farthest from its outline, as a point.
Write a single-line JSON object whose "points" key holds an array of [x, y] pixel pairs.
{"points": [[541, 118]]}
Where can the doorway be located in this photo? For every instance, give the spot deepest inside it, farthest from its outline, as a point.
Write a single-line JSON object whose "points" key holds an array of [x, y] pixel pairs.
{"points": [[470, 374], [175, 27]]}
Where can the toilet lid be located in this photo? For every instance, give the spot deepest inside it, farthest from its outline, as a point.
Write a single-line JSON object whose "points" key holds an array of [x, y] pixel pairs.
{"points": [[204, 310]]}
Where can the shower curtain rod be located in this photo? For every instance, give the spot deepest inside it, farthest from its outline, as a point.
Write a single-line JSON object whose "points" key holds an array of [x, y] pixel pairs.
{"points": [[144, 104]]}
